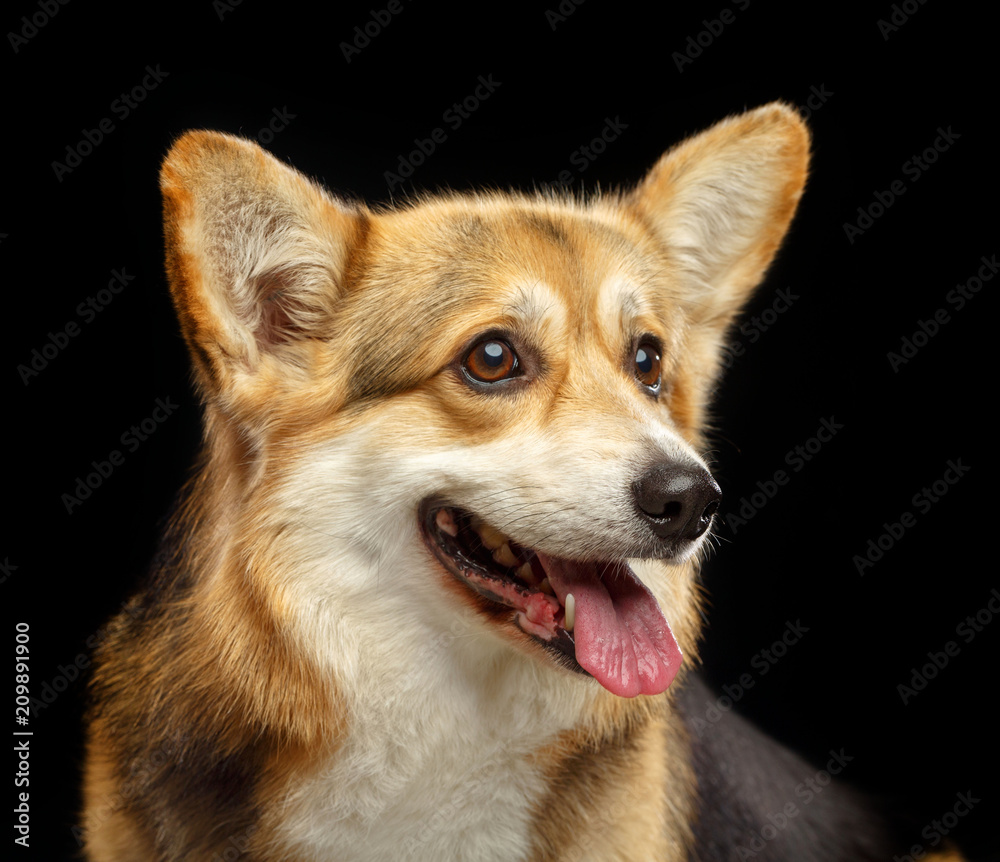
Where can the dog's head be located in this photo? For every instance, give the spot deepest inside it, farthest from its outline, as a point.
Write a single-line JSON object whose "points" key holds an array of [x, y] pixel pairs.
{"points": [[483, 408]]}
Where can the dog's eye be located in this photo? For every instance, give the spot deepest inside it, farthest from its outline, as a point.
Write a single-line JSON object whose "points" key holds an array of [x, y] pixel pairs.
{"points": [[647, 365], [491, 361]]}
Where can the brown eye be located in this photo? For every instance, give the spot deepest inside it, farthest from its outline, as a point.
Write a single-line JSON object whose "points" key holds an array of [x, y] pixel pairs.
{"points": [[647, 365], [491, 361]]}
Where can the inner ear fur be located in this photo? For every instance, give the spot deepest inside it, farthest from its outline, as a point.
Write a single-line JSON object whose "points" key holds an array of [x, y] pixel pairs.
{"points": [[256, 253]]}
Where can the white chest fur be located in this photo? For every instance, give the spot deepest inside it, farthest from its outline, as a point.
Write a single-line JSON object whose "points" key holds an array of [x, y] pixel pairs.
{"points": [[440, 757]]}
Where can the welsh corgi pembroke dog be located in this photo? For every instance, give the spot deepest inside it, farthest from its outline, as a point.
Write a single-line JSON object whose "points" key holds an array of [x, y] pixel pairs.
{"points": [[432, 591]]}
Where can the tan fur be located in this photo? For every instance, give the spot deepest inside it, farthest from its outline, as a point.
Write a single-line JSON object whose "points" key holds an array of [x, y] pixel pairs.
{"points": [[621, 780], [317, 328], [111, 832]]}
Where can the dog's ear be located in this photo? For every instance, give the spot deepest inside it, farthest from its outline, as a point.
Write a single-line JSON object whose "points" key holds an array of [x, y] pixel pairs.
{"points": [[256, 255], [721, 202]]}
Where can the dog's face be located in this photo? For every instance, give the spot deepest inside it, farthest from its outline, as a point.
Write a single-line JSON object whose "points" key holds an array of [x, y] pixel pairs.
{"points": [[529, 416], [477, 408]]}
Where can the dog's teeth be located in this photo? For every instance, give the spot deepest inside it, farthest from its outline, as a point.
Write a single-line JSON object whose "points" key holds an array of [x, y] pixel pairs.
{"points": [[505, 556], [527, 574], [570, 620], [546, 587], [445, 522], [491, 537]]}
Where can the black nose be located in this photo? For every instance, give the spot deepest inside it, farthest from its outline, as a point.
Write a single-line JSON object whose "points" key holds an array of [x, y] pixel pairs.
{"points": [[677, 500]]}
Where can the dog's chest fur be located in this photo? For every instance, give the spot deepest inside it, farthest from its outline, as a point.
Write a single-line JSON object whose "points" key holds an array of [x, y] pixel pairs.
{"points": [[464, 755], [439, 796]]}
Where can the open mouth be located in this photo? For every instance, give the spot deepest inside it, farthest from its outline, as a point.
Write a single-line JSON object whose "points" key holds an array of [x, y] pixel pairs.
{"points": [[594, 617]]}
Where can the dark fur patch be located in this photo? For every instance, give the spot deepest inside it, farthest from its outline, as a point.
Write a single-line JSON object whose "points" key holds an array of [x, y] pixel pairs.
{"points": [[546, 227], [760, 801], [188, 747]]}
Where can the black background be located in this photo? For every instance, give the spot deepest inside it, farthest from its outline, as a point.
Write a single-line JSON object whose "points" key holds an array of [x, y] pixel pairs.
{"points": [[887, 96]]}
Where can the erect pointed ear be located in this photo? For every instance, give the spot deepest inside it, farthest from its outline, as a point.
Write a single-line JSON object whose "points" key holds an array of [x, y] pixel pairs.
{"points": [[256, 255], [721, 202]]}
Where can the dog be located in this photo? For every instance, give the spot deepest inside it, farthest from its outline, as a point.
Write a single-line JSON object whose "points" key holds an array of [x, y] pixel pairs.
{"points": [[431, 592]]}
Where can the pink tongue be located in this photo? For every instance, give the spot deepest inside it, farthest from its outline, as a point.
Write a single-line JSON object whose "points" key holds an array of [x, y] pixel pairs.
{"points": [[622, 638]]}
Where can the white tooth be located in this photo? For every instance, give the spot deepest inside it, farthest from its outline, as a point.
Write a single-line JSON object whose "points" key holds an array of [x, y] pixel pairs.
{"points": [[491, 537], [546, 587], [446, 524], [570, 620], [505, 556]]}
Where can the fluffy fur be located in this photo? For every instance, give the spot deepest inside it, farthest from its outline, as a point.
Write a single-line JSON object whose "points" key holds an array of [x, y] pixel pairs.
{"points": [[300, 679]]}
